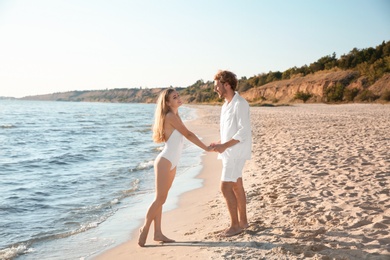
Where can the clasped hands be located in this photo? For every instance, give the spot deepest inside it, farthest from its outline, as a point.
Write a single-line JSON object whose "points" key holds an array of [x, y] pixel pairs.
{"points": [[216, 147]]}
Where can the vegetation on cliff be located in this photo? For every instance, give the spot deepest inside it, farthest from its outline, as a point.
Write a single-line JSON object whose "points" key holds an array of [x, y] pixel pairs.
{"points": [[361, 75]]}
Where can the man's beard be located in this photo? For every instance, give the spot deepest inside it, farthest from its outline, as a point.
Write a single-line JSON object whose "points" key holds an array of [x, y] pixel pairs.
{"points": [[222, 94]]}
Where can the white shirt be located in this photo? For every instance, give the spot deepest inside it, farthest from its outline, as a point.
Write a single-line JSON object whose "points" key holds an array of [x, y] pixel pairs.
{"points": [[235, 124]]}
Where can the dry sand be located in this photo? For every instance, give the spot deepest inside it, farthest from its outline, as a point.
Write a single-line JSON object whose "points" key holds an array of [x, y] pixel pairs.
{"points": [[318, 187]]}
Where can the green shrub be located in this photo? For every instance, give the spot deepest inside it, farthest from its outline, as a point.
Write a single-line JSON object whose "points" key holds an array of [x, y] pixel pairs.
{"points": [[366, 95], [261, 99], [335, 93], [386, 95], [350, 94], [304, 96]]}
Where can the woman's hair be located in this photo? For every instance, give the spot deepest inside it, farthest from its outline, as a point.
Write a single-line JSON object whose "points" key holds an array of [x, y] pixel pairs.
{"points": [[162, 110], [225, 76]]}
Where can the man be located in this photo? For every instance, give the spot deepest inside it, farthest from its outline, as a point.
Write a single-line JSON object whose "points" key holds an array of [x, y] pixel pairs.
{"points": [[234, 149]]}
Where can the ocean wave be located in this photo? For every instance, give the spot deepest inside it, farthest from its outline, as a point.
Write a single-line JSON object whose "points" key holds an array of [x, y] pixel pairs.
{"points": [[8, 209], [14, 251], [128, 126], [86, 121], [67, 158], [63, 159], [24, 247], [91, 127], [103, 210], [134, 188], [143, 130], [58, 162], [158, 149], [7, 126], [40, 162], [86, 226], [143, 166]]}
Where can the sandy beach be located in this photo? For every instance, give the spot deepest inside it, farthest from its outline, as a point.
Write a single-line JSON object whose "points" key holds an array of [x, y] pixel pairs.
{"points": [[318, 187]]}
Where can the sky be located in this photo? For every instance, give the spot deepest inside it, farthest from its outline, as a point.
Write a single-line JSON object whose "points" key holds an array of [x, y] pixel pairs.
{"points": [[49, 46]]}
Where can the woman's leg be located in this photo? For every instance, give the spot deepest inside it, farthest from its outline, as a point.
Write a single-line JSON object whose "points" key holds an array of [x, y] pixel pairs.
{"points": [[158, 235], [164, 178]]}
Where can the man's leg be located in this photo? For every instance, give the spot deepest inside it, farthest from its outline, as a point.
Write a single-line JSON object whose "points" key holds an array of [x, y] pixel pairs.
{"points": [[231, 202], [239, 192]]}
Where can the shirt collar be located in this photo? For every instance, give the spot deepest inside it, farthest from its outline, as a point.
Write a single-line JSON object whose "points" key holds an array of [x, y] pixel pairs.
{"points": [[235, 96]]}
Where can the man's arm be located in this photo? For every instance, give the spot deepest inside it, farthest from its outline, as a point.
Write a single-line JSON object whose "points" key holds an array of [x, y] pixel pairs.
{"points": [[222, 147], [243, 120]]}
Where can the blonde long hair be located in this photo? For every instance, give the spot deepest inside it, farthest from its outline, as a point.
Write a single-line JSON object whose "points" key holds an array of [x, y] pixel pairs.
{"points": [[162, 110]]}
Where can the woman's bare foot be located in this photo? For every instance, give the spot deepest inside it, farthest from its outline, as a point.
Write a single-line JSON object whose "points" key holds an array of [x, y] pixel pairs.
{"points": [[142, 237], [163, 239], [231, 232]]}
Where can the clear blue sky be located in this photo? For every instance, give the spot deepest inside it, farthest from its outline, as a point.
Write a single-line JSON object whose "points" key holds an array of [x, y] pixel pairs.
{"points": [[49, 46]]}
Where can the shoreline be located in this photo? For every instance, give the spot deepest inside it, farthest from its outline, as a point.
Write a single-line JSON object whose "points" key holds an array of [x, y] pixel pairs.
{"points": [[176, 222]]}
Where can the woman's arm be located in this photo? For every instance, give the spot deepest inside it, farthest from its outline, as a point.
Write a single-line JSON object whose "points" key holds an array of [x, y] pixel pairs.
{"points": [[176, 123]]}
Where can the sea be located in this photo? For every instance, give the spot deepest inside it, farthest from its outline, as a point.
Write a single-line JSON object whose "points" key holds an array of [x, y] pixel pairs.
{"points": [[76, 178]]}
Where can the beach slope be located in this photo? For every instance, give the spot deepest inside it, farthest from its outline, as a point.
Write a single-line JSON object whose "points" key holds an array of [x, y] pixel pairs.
{"points": [[318, 187]]}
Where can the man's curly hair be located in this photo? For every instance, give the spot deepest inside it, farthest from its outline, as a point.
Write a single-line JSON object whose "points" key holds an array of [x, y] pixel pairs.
{"points": [[225, 76]]}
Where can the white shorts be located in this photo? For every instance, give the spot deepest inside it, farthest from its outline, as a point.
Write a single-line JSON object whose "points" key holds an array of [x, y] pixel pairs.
{"points": [[232, 170]]}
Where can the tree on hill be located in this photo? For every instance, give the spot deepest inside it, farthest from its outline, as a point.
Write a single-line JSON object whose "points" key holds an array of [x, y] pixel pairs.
{"points": [[371, 62]]}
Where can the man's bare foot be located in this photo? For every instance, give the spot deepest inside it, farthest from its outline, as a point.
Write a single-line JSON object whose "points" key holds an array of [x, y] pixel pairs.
{"points": [[142, 237], [231, 232], [244, 225], [163, 239]]}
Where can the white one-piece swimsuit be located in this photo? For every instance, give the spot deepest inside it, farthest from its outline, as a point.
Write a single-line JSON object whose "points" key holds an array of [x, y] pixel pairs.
{"points": [[173, 148]]}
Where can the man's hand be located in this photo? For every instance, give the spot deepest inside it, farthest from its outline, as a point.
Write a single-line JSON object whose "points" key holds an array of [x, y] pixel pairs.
{"points": [[210, 148], [212, 145], [220, 148]]}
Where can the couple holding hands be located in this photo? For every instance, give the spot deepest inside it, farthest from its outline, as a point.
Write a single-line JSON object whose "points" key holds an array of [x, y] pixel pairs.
{"points": [[234, 149]]}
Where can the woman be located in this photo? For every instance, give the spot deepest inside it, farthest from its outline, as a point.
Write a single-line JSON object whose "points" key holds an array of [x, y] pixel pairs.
{"points": [[167, 128]]}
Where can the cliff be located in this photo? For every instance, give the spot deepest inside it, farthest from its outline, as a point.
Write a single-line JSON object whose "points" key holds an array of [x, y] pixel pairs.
{"points": [[319, 86]]}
